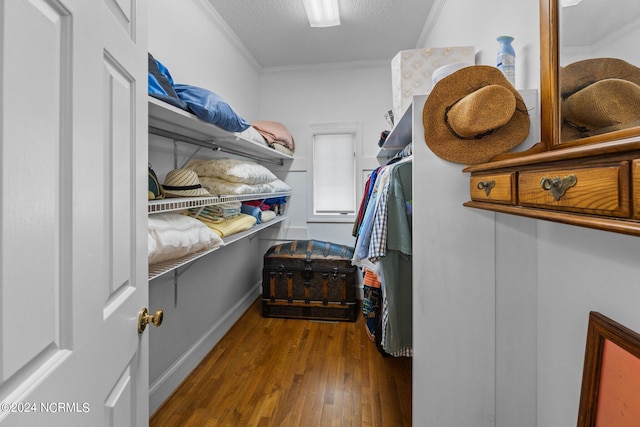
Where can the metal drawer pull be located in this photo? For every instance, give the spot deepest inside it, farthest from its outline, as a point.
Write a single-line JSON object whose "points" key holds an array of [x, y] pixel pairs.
{"points": [[486, 186], [556, 186]]}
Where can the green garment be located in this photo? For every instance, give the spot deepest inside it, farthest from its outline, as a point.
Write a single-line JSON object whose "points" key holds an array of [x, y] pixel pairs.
{"points": [[397, 265]]}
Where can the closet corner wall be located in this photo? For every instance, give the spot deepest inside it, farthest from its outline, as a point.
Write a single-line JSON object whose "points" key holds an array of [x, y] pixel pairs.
{"points": [[453, 293], [205, 293]]}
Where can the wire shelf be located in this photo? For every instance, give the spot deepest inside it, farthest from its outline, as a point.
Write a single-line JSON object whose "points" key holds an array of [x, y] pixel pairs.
{"points": [[157, 270], [182, 203]]}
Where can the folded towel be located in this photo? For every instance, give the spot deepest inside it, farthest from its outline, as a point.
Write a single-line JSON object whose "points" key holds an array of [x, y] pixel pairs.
{"points": [[242, 222], [253, 211]]}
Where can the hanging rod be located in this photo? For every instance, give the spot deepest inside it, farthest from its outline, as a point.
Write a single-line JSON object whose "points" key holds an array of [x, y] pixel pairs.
{"points": [[210, 144]]}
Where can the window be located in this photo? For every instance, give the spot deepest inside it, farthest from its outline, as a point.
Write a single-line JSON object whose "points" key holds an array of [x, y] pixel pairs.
{"points": [[334, 181], [333, 174]]}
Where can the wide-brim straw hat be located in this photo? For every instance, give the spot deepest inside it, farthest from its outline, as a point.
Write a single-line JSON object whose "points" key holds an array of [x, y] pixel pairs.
{"points": [[183, 183], [599, 95], [473, 115]]}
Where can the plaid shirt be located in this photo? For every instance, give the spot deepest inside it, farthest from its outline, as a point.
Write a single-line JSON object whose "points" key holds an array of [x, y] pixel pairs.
{"points": [[378, 243]]}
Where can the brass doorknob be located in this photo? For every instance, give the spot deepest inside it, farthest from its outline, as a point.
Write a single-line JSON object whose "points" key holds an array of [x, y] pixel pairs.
{"points": [[144, 318]]}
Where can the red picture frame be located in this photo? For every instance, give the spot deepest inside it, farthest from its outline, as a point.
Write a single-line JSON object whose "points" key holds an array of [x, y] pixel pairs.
{"points": [[610, 395]]}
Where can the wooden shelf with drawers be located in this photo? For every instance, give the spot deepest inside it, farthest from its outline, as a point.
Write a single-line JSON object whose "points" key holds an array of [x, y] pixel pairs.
{"points": [[595, 186]]}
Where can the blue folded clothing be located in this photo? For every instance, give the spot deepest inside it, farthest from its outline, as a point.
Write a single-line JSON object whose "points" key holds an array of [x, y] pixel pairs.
{"points": [[211, 108], [160, 84], [253, 211]]}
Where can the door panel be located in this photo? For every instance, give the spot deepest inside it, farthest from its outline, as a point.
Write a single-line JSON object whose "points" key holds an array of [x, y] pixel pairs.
{"points": [[123, 13], [118, 143], [118, 405], [33, 275], [73, 183]]}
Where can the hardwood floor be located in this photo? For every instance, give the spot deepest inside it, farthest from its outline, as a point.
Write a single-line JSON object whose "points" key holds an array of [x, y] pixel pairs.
{"points": [[284, 372]]}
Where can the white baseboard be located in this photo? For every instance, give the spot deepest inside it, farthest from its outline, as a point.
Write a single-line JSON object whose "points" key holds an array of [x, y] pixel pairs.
{"points": [[165, 385]]}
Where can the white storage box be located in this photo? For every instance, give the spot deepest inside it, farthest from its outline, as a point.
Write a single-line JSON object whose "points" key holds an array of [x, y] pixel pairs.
{"points": [[411, 72]]}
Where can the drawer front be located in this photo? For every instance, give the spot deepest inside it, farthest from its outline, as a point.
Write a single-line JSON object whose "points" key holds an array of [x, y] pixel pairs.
{"points": [[599, 190], [495, 187]]}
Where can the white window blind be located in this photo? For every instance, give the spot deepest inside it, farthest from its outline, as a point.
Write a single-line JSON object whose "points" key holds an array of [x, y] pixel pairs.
{"points": [[334, 174]]}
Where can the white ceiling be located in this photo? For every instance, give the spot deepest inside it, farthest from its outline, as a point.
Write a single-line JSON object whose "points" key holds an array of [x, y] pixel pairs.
{"points": [[277, 32]]}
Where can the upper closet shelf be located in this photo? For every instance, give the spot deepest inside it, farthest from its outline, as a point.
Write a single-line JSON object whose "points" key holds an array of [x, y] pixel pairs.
{"points": [[177, 204], [400, 136], [172, 122]]}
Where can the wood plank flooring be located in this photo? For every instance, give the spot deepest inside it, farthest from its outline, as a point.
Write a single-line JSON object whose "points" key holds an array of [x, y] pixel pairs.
{"points": [[291, 373]]}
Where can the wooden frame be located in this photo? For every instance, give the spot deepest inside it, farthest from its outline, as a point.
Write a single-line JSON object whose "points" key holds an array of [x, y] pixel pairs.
{"points": [[610, 393]]}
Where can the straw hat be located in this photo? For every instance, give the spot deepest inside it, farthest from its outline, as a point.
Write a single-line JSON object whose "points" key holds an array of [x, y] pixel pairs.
{"points": [[183, 183], [473, 115], [601, 94]]}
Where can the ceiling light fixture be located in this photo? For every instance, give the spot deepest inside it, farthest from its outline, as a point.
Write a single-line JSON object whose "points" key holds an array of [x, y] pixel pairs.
{"points": [[322, 13]]}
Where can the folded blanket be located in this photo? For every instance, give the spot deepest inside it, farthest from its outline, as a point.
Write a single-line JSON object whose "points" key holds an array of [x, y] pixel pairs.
{"points": [[225, 210], [268, 215], [209, 215], [275, 133], [231, 226]]}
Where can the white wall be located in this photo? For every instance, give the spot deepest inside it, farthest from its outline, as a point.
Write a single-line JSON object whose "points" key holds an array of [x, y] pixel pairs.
{"points": [[494, 311], [479, 23], [579, 270], [302, 96], [188, 38], [453, 286]]}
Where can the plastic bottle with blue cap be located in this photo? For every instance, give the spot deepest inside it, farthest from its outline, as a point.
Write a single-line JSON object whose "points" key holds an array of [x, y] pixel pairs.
{"points": [[507, 59]]}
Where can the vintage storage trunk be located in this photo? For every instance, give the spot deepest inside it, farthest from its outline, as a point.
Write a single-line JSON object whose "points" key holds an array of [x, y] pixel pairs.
{"points": [[309, 279]]}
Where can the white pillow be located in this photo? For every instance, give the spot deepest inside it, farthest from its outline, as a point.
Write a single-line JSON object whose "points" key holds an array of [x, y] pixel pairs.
{"points": [[278, 186], [282, 149], [253, 135], [152, 248], [177, 235], [219, 186], [234, 170]]}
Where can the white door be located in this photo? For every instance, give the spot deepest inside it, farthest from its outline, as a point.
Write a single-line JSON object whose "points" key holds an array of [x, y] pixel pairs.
{"points": [[72, 217]]}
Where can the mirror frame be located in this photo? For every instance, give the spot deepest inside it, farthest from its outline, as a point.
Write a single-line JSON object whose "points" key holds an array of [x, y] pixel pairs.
{"points": [[549, 74], [550, 119]]}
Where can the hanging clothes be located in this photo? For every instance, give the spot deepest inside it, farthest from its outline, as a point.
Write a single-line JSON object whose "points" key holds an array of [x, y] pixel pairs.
{"points": [[397, 263], [368, 190], [383, 249], [371, 302]]}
